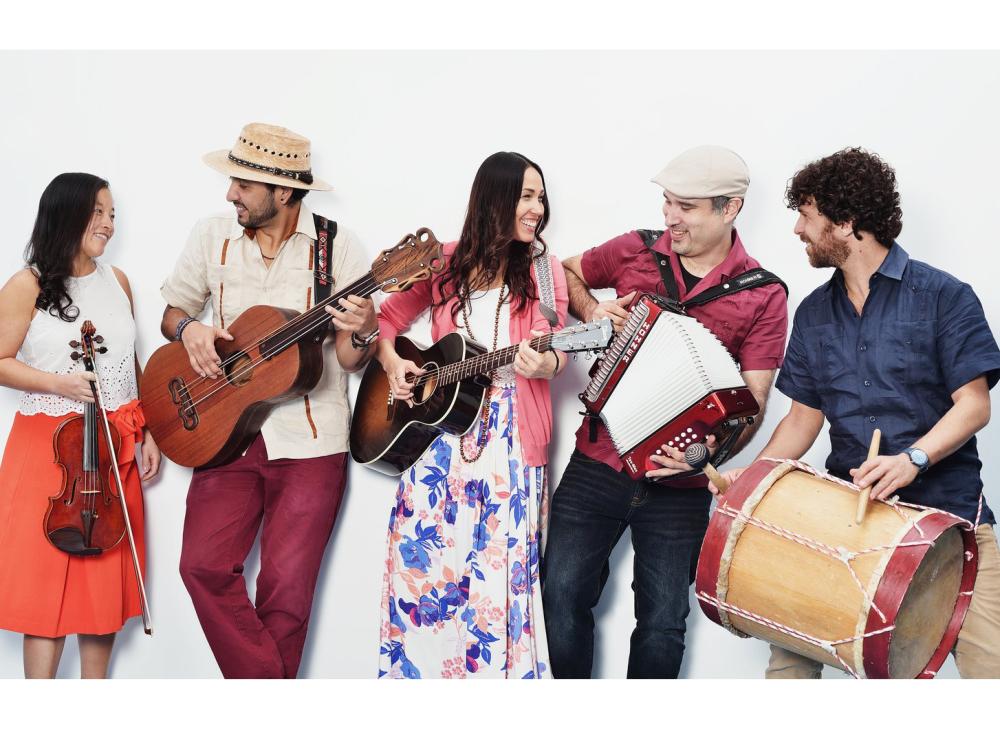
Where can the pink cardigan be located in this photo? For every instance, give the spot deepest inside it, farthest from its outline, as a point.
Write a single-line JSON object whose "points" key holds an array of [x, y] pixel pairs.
{"points": [[534, 401]]}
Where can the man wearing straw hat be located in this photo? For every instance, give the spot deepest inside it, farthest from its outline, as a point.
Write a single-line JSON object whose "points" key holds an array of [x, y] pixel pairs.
{"points": [[894, 345], [291, 479]]}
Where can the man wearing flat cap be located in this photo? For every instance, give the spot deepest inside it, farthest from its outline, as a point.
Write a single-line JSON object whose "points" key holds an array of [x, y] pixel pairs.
{"points": [[274, 251], [703, 192]]}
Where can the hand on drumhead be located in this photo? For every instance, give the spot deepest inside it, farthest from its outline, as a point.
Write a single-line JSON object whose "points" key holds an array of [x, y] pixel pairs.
{"points": [[672, 460], [730, 476], [885, 475]]}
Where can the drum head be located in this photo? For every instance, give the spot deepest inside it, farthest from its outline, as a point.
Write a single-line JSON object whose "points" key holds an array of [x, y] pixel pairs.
{"points": [[927, 607]]}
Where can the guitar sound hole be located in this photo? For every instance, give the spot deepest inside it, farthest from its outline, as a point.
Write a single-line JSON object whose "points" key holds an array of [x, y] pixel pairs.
{"points": [[240, 370], [423, 392]]}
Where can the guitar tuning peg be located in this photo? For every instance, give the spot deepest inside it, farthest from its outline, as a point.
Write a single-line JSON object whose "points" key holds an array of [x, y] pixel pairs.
{"points": [[75, 344], [75, 356], [99, 339], [102, 350]]}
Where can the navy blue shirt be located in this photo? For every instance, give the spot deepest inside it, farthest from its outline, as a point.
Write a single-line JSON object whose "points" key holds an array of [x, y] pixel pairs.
{"points": [[921, 336]]}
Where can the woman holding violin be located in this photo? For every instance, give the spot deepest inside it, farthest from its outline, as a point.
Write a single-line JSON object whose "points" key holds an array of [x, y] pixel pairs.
{"points": [[67, 562]]}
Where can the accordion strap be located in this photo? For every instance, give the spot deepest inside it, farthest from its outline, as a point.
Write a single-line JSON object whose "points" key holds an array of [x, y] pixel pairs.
{"points": [[326, 232], [650, 238], [749, 280]]}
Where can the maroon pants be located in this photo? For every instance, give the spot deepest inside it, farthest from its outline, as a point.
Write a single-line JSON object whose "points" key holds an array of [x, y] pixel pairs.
{"points": [[296, 501]]}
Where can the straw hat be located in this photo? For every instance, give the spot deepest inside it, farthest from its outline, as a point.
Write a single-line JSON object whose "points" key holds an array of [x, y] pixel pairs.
{"points": [[268, 153]]}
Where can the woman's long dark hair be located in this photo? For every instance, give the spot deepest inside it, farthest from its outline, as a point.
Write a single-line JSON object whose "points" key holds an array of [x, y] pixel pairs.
{"points": [[64, 212], [487, 238]]}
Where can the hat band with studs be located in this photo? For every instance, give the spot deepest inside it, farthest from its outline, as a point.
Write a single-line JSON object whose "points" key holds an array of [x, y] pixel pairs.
{"points": [[305, 177]]}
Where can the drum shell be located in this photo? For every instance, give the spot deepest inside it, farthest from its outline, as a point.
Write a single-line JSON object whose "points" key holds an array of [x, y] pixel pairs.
{"points": [[785, 570]]}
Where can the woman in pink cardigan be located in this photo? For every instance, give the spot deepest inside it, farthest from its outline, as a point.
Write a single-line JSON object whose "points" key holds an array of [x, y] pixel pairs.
{"points": [[461, 594]]}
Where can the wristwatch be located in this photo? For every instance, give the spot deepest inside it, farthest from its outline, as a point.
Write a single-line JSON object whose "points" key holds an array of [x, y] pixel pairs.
{"points": [[363, 342], [919, 459]]}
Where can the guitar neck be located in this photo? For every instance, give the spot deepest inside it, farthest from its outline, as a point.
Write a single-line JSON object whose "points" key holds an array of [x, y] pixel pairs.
{"points": [[488, 362], [315, 318]]}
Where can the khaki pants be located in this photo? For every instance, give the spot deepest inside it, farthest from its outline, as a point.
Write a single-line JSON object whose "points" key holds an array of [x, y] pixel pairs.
{"points": [[977, 652]]}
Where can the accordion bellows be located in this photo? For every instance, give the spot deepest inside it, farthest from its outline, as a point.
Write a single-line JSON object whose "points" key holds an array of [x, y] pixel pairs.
{"points": [[665, 379]]}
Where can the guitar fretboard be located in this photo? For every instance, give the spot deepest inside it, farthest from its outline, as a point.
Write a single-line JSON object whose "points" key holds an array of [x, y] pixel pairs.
{"points": [[315, 317], [489, 361]]}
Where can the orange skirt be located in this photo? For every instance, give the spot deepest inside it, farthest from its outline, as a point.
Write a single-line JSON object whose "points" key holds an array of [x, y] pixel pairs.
{"points": [[44, 591]]}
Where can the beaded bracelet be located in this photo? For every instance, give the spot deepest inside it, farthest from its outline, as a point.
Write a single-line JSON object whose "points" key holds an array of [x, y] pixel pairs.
{"points": [[184, 323]]}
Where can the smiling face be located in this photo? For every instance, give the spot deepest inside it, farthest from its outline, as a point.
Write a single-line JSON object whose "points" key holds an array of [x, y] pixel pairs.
{"points": [[254, 202], [824, 248], [530, 209], [101, 227], [695, 227]]}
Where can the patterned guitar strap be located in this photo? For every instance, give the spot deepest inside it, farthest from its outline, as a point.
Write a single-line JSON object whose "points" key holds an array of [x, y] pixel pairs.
{"points": [[543, 274], [326, 232]]}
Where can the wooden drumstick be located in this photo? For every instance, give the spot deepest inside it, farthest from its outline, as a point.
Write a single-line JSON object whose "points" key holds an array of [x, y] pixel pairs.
{"points": [[867, 491], [697, 456]]}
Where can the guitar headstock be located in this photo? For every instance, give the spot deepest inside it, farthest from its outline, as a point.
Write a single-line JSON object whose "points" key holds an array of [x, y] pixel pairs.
{"points": [[84, 348], [584, 337], [414, 258]]}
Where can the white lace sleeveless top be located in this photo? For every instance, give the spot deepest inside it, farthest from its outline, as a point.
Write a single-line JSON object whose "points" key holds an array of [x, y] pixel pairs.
{"points": [[481, 320], [100, 299]]}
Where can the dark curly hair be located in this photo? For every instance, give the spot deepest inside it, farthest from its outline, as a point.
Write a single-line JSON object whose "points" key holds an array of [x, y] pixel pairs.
{"points": [[64, 212], [851, 185], [487, 237]]}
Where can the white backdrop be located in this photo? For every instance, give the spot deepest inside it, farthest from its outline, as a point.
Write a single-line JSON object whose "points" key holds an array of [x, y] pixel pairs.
{"points": [[400, 136]]}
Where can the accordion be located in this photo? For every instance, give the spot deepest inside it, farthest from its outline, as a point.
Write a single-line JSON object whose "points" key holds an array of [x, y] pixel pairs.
{"points": [[667, 380]]}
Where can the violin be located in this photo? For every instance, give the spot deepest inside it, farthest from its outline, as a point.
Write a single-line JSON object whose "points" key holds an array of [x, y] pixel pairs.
{"points": [[86, 516], [89, 515]]}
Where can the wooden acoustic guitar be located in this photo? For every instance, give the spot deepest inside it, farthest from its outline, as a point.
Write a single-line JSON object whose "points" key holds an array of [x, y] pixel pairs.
{"points": [[389, 435], [276, 354]]}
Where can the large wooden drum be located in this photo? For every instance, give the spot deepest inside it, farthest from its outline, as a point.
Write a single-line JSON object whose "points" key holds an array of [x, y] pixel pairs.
{"points": [[784, 561]]}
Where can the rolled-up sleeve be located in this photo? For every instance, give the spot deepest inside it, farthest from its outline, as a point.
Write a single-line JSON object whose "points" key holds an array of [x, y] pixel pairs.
{"points": [[966, 346], [187, 286], [601, 264], [796, 378]]}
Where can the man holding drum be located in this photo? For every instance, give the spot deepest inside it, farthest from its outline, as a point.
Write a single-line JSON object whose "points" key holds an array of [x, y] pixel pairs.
{"points": [[893, 344]]}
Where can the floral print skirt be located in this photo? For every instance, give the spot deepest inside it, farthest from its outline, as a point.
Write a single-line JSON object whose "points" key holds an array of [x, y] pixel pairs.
{"points": [[461, 595]]}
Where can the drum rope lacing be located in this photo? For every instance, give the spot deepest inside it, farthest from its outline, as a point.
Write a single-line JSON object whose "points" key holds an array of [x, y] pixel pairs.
{"points": [[838, 553]]}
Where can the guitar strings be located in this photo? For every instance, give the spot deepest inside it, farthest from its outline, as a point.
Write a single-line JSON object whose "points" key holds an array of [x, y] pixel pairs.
{"points": [[444, 373], [297, 320], [295, 323], [456, 366], [224, 382], [471, 364]]}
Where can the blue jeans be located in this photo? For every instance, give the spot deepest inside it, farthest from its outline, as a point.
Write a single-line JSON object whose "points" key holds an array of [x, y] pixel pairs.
{"points": [[591, 509]]}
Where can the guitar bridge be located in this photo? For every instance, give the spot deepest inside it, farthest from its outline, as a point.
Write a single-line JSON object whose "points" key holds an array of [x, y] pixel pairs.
{"points": [[187, 412]]}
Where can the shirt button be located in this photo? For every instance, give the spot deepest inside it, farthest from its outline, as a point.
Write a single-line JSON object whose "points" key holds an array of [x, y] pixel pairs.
{"points": [[871, 419], [863, 347], [868, 384]]}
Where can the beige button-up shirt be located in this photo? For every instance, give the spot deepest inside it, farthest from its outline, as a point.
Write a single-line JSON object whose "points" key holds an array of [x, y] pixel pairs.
{"points": [[222, 264]]}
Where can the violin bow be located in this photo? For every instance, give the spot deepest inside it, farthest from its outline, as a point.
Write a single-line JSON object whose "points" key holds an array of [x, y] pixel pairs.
{"points": [[95, 386]]}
